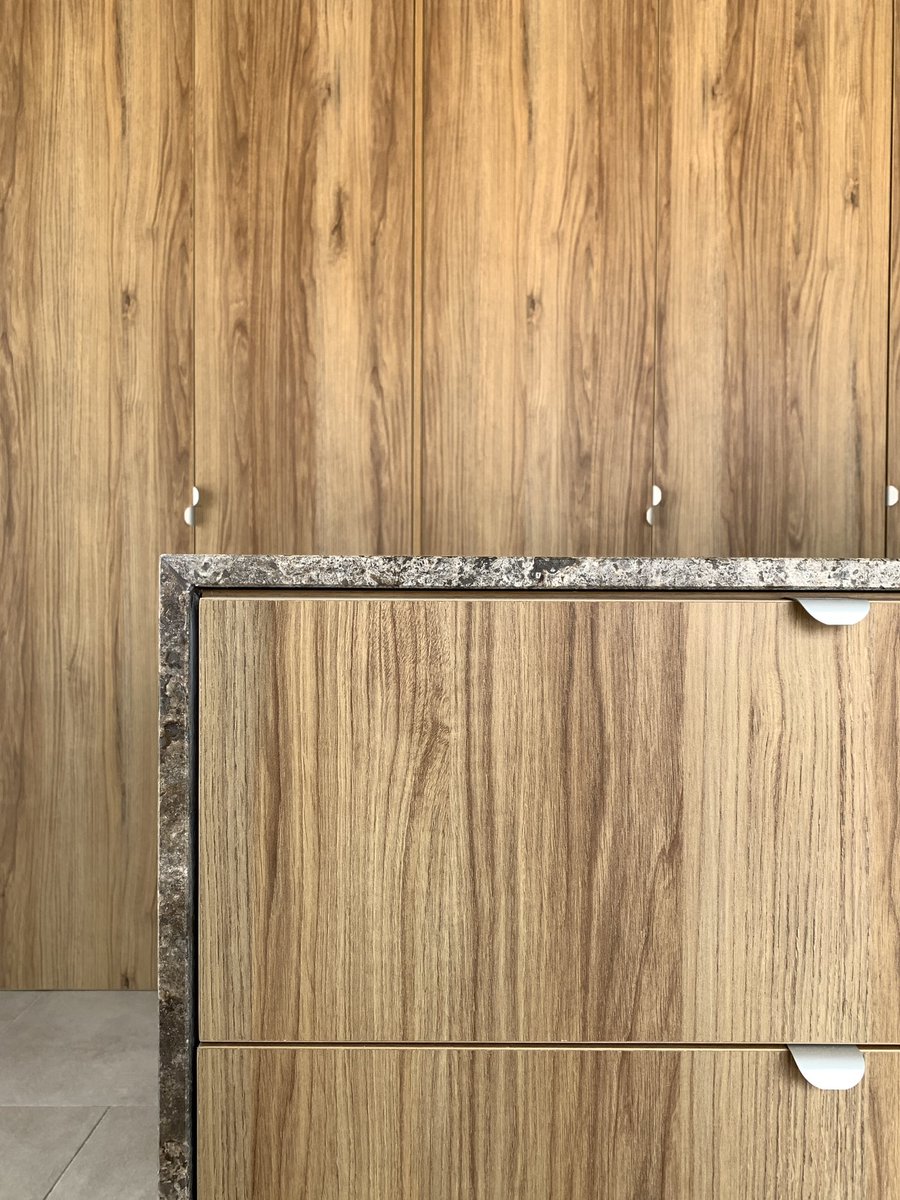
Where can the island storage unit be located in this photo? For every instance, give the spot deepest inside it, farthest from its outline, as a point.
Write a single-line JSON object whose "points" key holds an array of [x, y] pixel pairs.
{"points": [[525, 890]]}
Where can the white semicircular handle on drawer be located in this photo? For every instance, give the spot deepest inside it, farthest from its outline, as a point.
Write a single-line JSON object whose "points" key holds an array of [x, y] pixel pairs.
{"points": [[834, 610], [830, 1068]]}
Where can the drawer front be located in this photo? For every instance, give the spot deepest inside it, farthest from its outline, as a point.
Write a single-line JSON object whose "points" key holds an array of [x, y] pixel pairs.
{"points": [[464, 1124], [547, 820]]}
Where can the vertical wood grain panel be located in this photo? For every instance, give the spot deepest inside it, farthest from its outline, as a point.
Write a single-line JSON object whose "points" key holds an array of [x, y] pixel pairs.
{"points": [[418, 269], [538, 286], [95, 409], [892, 532], [476, 1124], [546, 820], [304, 260], [773, 285]]}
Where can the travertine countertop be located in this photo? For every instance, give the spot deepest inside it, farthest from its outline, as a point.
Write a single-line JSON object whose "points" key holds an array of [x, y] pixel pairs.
{"points": [[184, 577]]}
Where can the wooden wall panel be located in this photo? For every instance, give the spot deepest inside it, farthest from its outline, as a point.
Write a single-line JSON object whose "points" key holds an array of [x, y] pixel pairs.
{"points": [[546, 820], [474, 1124], [539, 134], [95, 432], [893, 456], [773, 285], [304, 179]]}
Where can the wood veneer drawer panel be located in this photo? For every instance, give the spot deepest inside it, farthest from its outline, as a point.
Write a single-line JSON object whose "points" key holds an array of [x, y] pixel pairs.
{"points": [[480, 1124], [547, 821]]}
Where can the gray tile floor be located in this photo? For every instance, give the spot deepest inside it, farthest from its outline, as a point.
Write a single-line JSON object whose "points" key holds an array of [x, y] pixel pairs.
{"points": [[77, 1095]]}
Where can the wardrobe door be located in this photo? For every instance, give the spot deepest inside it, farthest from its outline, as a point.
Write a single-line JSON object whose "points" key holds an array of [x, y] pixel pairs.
{"points": [[538, 255], [773, 277], [304, 182], [893, 465], [95, 437]]}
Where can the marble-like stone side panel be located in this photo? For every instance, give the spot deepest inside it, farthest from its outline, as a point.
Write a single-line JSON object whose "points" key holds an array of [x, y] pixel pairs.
{"points": [[175, 889]]}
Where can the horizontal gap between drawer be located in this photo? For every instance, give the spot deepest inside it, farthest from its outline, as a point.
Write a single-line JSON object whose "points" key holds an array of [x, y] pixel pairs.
{"points": [[637, 1046]]}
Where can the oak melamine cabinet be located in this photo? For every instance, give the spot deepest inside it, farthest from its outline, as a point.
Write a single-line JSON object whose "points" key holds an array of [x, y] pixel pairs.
{"points": [[477, 1124], [303, 287], [538, 289], [656, 251], [773, 277], [893, 455], [546, 820], [525, 895], [402, 274], [473, 278], [95, 442]]}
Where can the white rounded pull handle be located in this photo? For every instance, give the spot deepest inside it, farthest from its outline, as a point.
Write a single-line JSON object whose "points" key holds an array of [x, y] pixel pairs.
{"points": [[190, 513], [834, 610], [655, 501], [830, 1068], [892, 495]]}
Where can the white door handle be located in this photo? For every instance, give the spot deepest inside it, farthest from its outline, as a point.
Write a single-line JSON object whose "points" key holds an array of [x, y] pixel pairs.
{"points": [[190, 513], [655, 501]]}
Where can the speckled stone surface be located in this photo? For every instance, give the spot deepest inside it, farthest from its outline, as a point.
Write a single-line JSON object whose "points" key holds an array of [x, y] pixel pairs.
{"points": [[183, 577]]}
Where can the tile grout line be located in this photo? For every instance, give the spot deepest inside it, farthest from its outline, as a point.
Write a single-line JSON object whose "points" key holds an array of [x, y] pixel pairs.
{"points": [[93, 1129]]}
